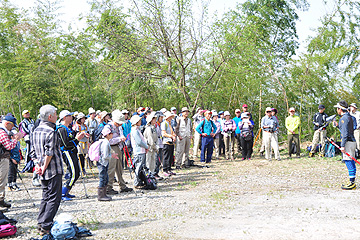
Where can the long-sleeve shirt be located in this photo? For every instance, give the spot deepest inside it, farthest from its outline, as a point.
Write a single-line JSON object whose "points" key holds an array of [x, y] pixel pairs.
{"points": [[6, 143], [105, 152], [319, 120], [92, 124], [246, 126], [292, 123], [47, 143], [26, 126], [237, 120], [126, 129], [229, 125], [206, 126], [346, 127], [270, 122], [218, 128], [138, 141], [159, 134], [68, 142], [15, 153], [151, 138], [117, 135]]}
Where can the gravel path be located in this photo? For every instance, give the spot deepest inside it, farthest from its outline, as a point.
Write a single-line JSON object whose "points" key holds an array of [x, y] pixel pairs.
{"points": [[257, 199]]}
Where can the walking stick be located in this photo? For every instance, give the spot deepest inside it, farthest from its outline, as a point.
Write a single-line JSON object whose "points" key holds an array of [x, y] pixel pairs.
{"points": [[257, 136], [32, 200], [127, 162], [347, 154], [82, 177]]}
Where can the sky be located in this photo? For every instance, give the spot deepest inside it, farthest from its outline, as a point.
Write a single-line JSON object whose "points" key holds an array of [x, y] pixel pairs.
{"points": [[309, 20]]}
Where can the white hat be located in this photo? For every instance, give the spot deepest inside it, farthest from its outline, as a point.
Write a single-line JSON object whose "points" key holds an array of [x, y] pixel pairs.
{"points": [[214, 113], [268, 109], [245, 114], [353, 105], [185, 109], [163, 110], [98, 112], [169, 114], [226, 113], [80, 116], [150, 117], [25, 112], [173, 108], [342, 105], [237, 110], [118, 117], [64, 113], [91, 110], [106, 130], [124, 111], [135, 119], [291, 109]]}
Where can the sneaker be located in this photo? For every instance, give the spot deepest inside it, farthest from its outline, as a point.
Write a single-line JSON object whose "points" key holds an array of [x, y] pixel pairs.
{"points": [[16, 187], [242, 159], [5, 204], [321, 155], [70, 195], [65, 198], [126, 189], [349, 186], [111, 191], [43, 231], [158, 177], [166, 174], [249, 159], [178, 168], [172, 173], [311, 154], [36, 182]]}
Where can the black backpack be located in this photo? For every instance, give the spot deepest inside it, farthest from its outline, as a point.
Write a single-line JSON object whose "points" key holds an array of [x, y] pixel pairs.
{"points": [[148, 178], [97, 133]]}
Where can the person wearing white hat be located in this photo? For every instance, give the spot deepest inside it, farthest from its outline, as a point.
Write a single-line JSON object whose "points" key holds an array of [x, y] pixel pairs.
{"points": [[116, 163], [197, 119], [228, 131], [356, 114], [269, 125], [183, 131], [151, 138], [169, 138], [292, 124], [92, 123], [83, 145], [140, 148], [246, 126], [68, 146], [25, 126]]}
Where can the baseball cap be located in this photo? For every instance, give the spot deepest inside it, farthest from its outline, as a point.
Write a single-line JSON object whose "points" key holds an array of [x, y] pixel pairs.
{"points": [[237, 110], [10, 119], [353, 105], [268, 109], [226, 113], [64, 113], [321, 106], [185, 109], [124, 111], [291, 109], [221, 112], [173, 108], [244, 105], [25, 112]]}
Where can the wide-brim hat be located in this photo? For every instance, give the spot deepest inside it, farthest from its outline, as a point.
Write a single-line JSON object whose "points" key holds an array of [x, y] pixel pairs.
{"points": [[124, 111], [185, 109], [91, 110], [11, 119], [245, 115], [106, 130], [118, 117], [173, 108], [150, 117], [103, 114], [268, 109], [135, 119], [80, 116], [214, 113], [169, 114], [226, 113]]}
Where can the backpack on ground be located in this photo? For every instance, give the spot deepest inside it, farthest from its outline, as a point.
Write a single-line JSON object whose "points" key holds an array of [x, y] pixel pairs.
{"points": [[7, 230], [148, 178], [329, 150], [63, 231], [94, 151], [293, 148]]}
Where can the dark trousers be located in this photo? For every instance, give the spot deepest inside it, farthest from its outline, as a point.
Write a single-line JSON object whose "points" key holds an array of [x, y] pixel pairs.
{"points": [[82, 161], [51, 197], [221, 144], [238, 142], [73, 169], [207, 147], [168, 156], [13, 168], [247, 147], [27, 157], [103, 175], [159, 160], [294, 138]]}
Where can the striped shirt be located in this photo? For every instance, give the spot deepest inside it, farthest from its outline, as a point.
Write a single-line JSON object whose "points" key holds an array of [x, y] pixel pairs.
{"points": [[46, 143]]}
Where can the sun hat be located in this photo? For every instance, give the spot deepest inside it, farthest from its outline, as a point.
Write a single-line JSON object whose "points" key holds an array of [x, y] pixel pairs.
{"points": [[185, 109], [244, 115], [135, 119], [169, 114], [91, 110], [226, 113], [106, 130], [268, 109], [118, 117], [80, 116], [150, 117], [63, 114]]}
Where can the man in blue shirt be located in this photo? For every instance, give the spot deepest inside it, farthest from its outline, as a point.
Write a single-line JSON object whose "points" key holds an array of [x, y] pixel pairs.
{"points": [[348, 142], [207, 129]]}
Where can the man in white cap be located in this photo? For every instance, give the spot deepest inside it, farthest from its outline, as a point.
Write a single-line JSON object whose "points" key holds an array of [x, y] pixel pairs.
{"points": [[269, 125], [140, 148], [198, 118], [115, 162], [183, 131], [151, 138], [356, 114], [292, 123], [91, 122]]}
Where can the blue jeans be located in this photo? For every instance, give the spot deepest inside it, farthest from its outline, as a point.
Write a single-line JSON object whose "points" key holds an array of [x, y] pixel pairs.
{"points": [[207, 145], [103, 175]]}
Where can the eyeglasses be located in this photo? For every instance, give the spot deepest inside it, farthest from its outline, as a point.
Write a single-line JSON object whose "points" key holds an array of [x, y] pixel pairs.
{"points": [[268, 111], [245, 107]]}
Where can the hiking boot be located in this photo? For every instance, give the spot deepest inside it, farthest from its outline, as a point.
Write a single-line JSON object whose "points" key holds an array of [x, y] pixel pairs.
{"points": [[321, 155], [9, 185], [5, 204], [311, 154], [349, 186], [102, 194], [178, 168], [126, 189], [36, 182], [16, 187], [70, 195], [43, 231], [111, 191], [171, 173], [65, 198]]}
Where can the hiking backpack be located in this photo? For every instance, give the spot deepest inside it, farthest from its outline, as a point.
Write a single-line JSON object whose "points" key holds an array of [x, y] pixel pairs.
{"points": [[7, 230], [329, 150], [97, 133], [148, 178], [63, 231], [94, 151]]}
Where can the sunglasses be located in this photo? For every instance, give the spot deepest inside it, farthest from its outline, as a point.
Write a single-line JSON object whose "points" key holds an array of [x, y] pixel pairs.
{"points": [[268, 111]]}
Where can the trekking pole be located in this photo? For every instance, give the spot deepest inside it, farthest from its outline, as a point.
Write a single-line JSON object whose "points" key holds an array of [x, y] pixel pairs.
{"points": [[347, 154], [32, 200], [257, 136], [127, 153], [82, 177], [127, 162]]}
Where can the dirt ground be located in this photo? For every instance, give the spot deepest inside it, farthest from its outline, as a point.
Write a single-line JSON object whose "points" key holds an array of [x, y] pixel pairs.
{"points": [[257, 199]]}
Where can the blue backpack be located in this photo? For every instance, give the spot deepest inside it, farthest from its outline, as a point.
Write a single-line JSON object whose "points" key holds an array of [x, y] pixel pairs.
{"points": [[329, 150], [63, 231]]}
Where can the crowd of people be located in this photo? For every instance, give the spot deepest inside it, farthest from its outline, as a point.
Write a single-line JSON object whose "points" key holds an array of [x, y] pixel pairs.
{"points": [[145, 139]]}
